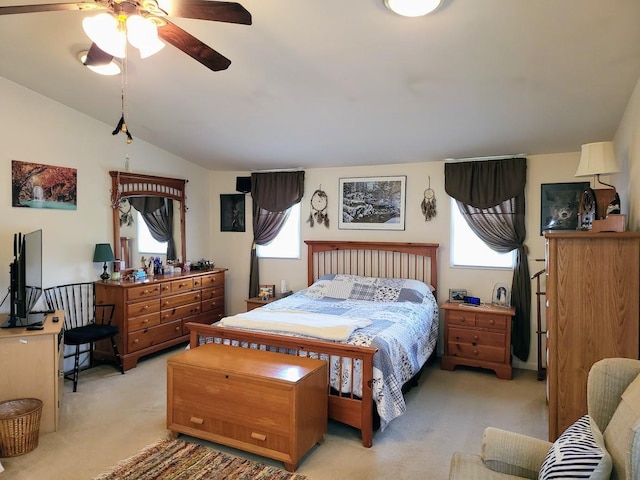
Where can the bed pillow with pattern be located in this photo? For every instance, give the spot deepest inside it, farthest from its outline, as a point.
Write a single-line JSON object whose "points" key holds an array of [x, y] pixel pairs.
{"points": [[373, 289]]}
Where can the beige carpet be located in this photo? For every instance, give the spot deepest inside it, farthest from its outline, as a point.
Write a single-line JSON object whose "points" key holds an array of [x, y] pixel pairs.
{"points": [[113, 416], [170, 459]]}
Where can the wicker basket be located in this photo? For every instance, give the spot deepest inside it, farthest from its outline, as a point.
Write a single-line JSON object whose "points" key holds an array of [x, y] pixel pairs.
{"points": [[19, 426]]}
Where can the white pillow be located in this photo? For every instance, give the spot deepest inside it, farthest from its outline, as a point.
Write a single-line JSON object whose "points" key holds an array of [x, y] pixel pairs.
{"points": [[578, 453]]}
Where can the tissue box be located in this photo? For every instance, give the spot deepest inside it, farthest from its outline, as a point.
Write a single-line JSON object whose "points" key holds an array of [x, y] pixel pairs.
{"points": [[613, 223]]}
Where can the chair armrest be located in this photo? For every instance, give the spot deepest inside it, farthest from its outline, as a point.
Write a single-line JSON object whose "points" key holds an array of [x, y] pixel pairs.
{"points": [[513, 453]]}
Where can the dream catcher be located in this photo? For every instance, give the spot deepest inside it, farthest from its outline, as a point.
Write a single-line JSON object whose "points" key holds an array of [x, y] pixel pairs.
{"points": [[428, 204], [318, 212], [126, 217]]}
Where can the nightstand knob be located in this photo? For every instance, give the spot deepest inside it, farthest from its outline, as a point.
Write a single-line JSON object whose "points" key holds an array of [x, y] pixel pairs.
{"points": [[475, 337], [475, 352], [492, 321]]}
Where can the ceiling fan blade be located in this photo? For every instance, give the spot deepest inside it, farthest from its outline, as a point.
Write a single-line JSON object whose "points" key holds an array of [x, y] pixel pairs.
{"points": [[229, 12], [193, 47], [52, 7], [97, 57]]}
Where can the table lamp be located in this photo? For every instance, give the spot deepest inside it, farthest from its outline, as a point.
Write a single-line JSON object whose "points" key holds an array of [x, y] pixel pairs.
{"points": [[598, 159], [103, 253]]}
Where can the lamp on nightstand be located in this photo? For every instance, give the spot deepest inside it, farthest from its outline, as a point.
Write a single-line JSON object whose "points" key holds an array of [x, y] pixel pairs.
{"points": [[103, 253]]}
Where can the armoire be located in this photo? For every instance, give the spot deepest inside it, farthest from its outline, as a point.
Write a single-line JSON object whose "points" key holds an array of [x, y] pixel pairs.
{"points": [[593, 312]]}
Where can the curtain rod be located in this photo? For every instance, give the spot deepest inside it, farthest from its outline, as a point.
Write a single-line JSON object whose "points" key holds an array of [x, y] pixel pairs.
{"points": [[481, 159], [295, 169]]}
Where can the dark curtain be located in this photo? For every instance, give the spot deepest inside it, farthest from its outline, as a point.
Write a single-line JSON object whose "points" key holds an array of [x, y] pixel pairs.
{"points": [[273, 194], [490, 196], [157, 213]]}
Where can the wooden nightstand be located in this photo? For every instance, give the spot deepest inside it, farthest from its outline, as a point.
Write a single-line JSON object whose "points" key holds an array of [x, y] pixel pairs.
{"points": [[255, 302], [478, 337]]}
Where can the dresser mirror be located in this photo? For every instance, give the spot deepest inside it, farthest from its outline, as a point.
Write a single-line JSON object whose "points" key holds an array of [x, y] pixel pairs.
{"points": [[133, 189]]}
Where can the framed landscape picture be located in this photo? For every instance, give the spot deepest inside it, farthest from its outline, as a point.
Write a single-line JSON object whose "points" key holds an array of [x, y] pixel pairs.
{"points": [[372, 203], [35, 185], [559, 204]]}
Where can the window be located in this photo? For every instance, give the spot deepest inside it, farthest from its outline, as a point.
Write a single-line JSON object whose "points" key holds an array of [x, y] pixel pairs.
{"points": [[146, 243], [287, 243], [467, 250]]}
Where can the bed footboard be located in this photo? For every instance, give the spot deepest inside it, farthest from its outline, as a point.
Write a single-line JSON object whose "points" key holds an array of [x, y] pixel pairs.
{"points": [[344, 405]]}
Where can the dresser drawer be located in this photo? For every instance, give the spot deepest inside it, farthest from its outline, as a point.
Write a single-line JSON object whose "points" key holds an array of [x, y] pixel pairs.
{"points": [[211, 293], [145, 321], [249, 435], [479, 352], [177, 313], [180, 299], [212, 280], [181, 285], [153, 336], [143, 308], [212, 304], [477, 337], [143, 291]]}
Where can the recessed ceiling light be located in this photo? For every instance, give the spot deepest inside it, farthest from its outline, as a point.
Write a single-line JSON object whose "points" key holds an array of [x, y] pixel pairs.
{"points": [[111, 68], [412, 8]]}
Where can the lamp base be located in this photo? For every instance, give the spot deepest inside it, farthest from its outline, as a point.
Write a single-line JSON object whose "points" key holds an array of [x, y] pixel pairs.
{"points": [[105, 276]]}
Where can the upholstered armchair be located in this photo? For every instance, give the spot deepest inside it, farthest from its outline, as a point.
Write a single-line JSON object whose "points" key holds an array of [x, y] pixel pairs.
{"points": [[613, 404]]}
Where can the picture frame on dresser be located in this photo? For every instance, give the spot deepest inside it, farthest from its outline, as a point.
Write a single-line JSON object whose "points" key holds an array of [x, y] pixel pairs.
{"points": [[456, 295], [559, 205]]}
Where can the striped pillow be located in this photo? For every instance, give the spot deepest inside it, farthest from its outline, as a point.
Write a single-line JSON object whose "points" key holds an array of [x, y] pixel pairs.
{"points": [[578, 453]]}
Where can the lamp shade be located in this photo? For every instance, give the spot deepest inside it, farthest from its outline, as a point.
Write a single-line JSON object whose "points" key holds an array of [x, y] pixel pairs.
{"points": [[597, 159], [103, 253]]}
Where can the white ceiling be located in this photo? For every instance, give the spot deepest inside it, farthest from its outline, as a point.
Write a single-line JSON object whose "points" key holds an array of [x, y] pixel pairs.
{"points": [[345, 82]]}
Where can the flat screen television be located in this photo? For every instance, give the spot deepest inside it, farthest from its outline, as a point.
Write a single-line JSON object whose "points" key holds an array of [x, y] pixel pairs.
{"points": [[25, 283]]}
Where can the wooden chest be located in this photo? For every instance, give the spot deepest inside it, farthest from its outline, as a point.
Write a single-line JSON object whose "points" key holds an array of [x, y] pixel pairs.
{"points": [[478, 337], [265, 403]]}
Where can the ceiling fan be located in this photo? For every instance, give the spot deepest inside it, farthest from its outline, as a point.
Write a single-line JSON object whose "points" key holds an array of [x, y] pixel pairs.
{"points": [[229, 12]]}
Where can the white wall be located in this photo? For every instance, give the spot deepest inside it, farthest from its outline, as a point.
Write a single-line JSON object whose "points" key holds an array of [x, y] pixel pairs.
{"points": [[36, 129], [627, 145]]}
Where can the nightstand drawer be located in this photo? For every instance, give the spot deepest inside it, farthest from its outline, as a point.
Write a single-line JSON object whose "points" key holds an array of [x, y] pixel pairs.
{"points": [[455, 317], [479, 352], [477, 337], [488, 320]]}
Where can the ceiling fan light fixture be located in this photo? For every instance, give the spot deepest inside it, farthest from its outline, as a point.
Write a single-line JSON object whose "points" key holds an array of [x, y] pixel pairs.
{"points": [[143, 34], [111, 68], [412, 8], [104, 31]]}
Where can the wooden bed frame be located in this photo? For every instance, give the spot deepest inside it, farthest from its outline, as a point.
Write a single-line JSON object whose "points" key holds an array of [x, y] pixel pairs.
{"points": [[377, 259]]}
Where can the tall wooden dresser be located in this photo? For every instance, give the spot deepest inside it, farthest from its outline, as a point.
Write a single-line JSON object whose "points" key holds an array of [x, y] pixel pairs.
{"points": [[152, 314], [593, 312]]}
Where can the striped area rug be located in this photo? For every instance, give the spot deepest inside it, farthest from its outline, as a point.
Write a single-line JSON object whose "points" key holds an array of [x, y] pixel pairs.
{"points": [[180, 460]]}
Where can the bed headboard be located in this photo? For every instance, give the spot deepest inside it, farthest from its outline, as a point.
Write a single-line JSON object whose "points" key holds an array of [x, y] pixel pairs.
{"points": [[417, 261]]}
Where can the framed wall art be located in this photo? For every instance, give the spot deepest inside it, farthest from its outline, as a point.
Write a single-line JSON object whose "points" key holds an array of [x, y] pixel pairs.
{"points": [[372, 203], [559, 204], [232, 213], [35, 185]]}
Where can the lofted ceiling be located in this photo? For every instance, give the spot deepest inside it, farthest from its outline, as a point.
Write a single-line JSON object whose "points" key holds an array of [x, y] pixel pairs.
{"points": [[346, 82]]}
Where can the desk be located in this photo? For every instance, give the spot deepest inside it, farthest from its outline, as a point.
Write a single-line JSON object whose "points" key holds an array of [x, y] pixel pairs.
{"points": [[31, 363]]}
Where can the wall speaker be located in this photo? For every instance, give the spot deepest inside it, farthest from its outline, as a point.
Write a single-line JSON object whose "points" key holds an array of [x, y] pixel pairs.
{"points": [[243, 184]]}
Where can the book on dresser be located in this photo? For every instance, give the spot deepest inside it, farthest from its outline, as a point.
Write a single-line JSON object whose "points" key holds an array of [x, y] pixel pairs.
{"points": [[151, 313]]}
